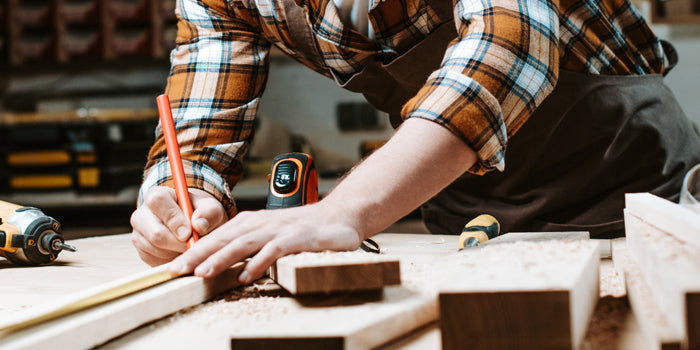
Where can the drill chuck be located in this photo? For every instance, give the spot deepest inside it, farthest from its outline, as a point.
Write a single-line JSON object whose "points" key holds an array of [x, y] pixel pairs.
{"points": [[30, 237]]}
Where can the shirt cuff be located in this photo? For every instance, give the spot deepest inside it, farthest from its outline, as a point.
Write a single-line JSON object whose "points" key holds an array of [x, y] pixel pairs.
{"points": [[196, 175], [469, 111]]}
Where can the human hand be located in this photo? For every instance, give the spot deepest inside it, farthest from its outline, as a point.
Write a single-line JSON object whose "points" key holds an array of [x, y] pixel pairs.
{"points": [[160, 228], [265, 236]]}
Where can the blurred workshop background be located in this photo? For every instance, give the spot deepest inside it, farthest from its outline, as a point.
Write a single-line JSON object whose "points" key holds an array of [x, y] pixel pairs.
{"points": [[78, 81]]}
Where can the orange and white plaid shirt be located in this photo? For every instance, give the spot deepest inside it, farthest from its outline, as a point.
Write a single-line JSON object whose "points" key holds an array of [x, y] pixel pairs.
{"points": [[504, 61]]}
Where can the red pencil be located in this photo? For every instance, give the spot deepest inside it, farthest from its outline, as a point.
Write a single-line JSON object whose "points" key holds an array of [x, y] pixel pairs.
{"points": [[173, 149]]}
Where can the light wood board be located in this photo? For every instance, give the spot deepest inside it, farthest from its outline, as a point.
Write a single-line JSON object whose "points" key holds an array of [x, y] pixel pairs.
{"points": [[671, 269], [525, 295], [94, 326], [98, 260], [653, 323], [668, 216], [329, 272]]}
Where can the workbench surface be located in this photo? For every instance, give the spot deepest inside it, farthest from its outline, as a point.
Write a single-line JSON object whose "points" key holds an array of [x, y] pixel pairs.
{"points": [[105, 258]]}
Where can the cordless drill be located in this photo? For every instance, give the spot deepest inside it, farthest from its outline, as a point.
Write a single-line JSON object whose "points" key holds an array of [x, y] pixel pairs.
{"points": [[28, 236]]}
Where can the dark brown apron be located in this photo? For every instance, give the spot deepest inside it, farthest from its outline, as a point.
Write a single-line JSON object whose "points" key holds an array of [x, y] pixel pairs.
{"points": [[592, 140]]}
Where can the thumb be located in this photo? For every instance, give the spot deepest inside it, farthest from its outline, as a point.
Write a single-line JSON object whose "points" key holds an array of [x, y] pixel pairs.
{"points": [[208, 213]]}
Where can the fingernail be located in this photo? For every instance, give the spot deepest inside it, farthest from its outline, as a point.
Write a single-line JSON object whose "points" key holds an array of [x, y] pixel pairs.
{"points": [[203, 270], [183, 232], [244, 277], [202, 224], [176, 267]]}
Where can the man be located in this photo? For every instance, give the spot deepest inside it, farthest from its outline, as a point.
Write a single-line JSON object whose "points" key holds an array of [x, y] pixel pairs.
{"points": [[468, 78]]}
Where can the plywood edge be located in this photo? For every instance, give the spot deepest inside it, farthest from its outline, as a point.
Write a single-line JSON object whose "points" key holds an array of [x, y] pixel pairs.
{"points": [[649, 317], [668, 216], [96, 325]]}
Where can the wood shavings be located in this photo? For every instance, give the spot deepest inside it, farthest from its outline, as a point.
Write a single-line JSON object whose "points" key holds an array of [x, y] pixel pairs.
{"points": [[334, 258], [441, 241], [607, 323], [519, 264], [611, 283]]}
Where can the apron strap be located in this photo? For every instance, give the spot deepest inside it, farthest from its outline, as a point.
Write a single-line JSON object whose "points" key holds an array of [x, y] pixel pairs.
{"points": [[671, 55]]}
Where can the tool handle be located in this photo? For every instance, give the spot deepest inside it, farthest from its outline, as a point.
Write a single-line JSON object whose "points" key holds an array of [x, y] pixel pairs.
{"points": [[173, 149]]}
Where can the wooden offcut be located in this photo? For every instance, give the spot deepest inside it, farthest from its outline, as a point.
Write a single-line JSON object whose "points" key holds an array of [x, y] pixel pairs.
{"points": [[524, 295], [670, 267], [329, 272]]}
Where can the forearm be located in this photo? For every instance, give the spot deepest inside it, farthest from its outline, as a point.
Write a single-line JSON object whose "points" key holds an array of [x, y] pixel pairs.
{"points": [[420, 159], [219, 70]]}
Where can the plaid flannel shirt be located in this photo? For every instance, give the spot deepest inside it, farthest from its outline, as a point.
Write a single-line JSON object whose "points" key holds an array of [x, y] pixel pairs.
{"points": [[503, 63]]}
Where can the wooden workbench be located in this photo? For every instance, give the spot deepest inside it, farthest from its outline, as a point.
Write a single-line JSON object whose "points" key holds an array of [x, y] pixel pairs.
{"points": [[106, 258]]}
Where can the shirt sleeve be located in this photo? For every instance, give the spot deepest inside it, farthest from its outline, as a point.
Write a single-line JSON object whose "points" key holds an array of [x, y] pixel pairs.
{"points": [[218, 72], [501, 66]]}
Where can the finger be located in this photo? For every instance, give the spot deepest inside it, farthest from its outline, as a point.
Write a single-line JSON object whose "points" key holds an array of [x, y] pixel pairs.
{"points": [[273, 250], [150, 259], [235, 251], [162, 201], [203, 249], [208, 212], [156, 236], [149, 253]]}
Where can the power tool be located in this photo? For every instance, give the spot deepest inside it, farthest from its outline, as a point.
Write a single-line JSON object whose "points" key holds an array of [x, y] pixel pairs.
{"points": [[293, 181], [28, 236], [478, 230]]}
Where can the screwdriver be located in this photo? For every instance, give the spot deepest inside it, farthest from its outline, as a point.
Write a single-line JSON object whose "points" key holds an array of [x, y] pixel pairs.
{"points": [[479, 230]]}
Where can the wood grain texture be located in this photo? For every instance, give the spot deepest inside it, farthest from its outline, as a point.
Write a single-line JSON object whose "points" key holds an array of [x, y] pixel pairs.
{"points": [[525, 295], [76, 302], [653, 323], [671, 268], [335, 321], [668, 216], [329, 272], [96, 325]]}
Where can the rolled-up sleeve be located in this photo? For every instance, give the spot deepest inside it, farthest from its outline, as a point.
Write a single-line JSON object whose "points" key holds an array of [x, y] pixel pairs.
{"points": [[218, 73], [501, 66]]}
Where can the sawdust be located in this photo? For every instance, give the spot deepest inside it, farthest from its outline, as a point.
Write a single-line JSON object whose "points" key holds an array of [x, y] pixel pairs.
{"points": [[508, 265], [607, 323], [256, 302], [611, 282], [334, 258]]}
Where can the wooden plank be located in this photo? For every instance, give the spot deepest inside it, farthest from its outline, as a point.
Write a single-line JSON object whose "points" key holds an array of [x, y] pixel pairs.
{"points": [[98, 260], [261, 318], [671, 268], [94, 326], [525, 295], [329, 272], [653, 323], [360, 320], [670, 217], [86, 299]]}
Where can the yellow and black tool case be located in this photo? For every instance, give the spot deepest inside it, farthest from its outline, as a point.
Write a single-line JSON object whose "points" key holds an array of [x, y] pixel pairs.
{"points": [[104, 151]]}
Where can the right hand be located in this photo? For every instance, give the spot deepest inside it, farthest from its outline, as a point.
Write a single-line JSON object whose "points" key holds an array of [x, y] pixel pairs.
{"points": [[160, 228]]}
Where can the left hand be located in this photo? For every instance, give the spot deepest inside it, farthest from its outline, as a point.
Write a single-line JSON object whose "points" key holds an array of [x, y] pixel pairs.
{"points": [[265, 236]]}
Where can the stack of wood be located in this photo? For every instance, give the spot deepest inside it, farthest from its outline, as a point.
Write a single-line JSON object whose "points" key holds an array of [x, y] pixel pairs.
{"points": [[522, 290], [661, 264]]}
